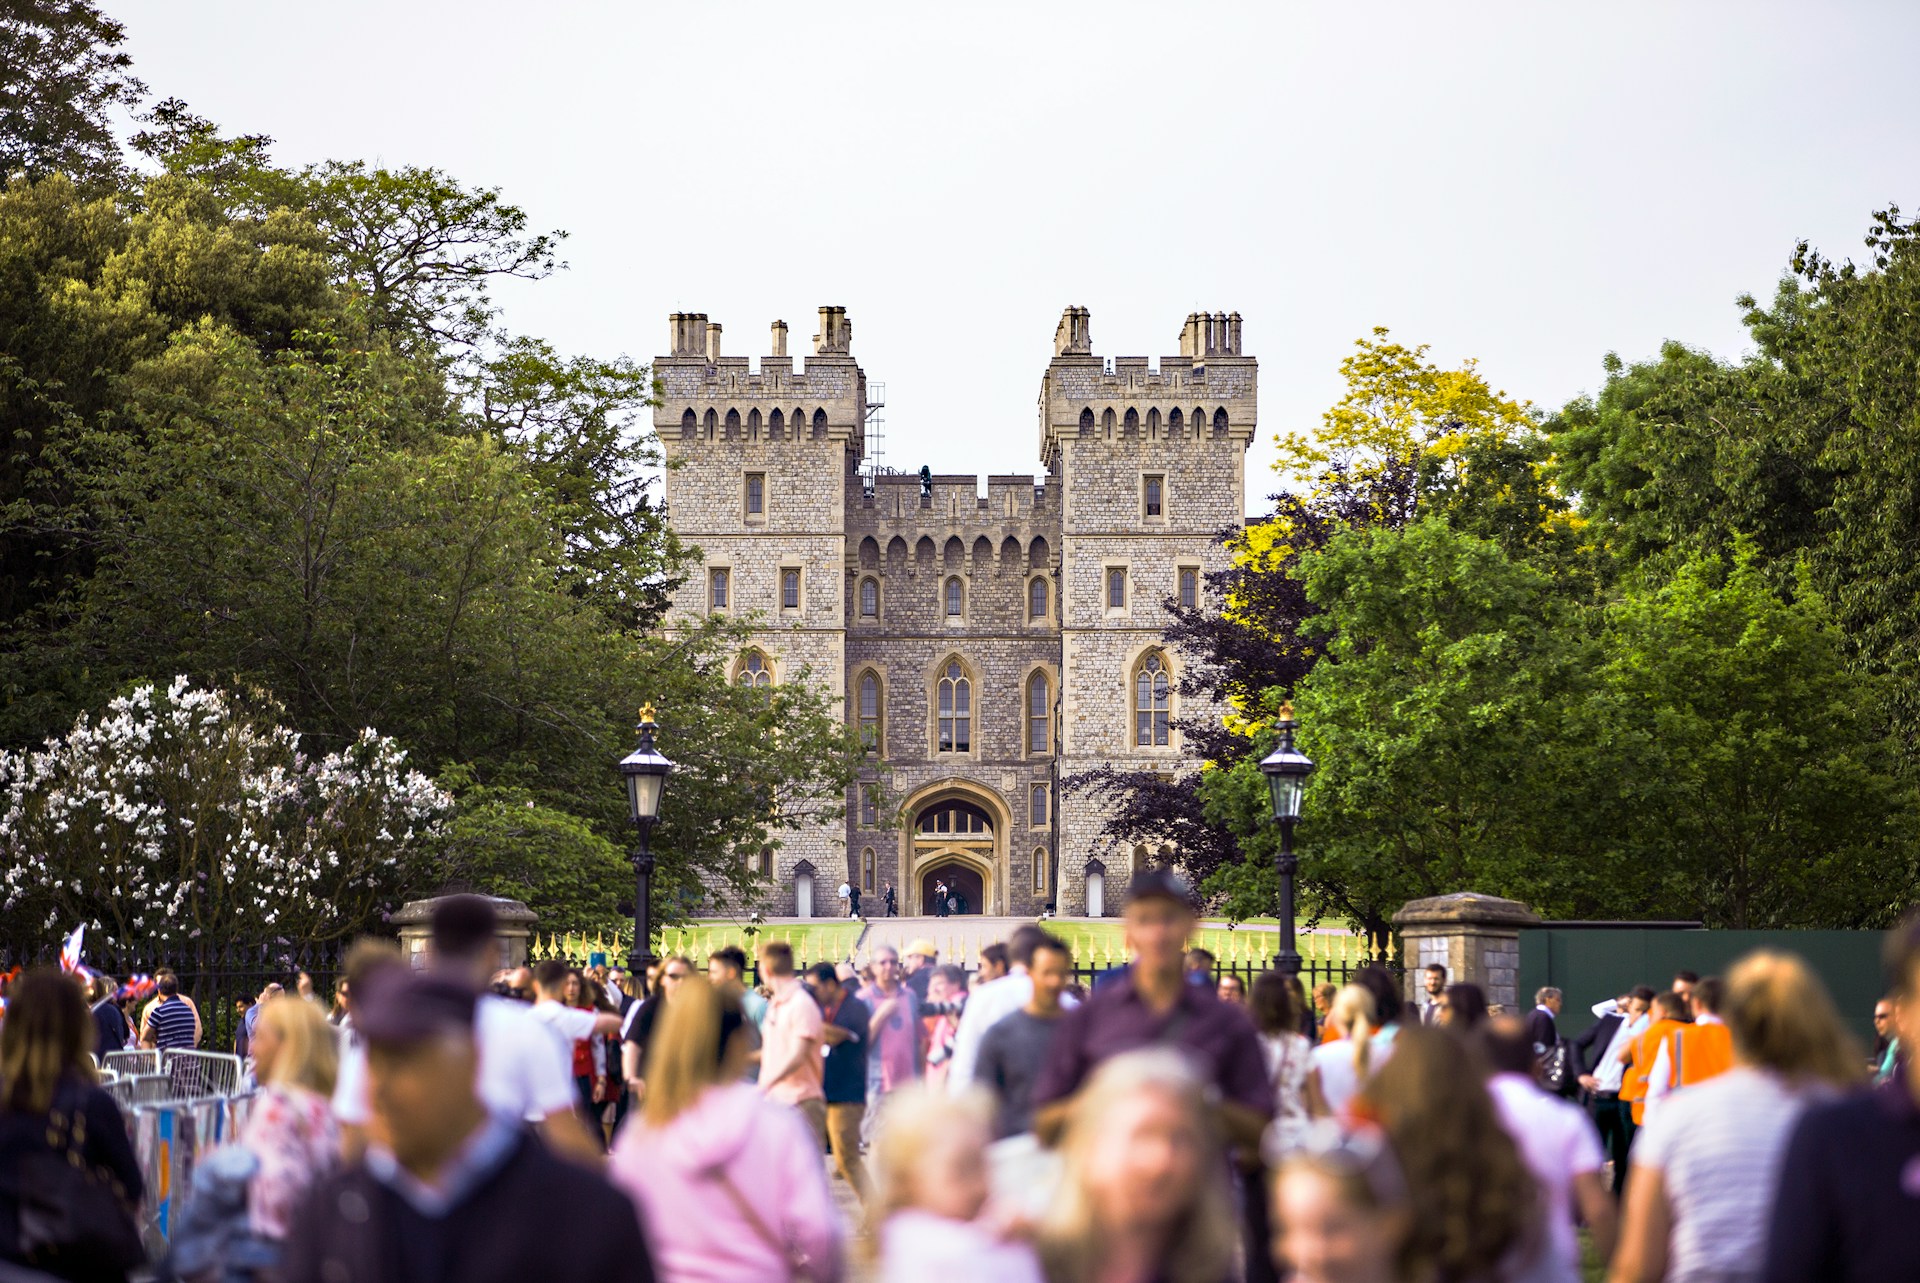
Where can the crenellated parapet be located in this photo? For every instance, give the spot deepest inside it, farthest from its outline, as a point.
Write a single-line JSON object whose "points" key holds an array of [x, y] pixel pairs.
{"points": [[707, 396]]}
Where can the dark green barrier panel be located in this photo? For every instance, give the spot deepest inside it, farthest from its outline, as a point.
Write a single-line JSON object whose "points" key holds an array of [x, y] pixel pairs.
{"points": [[1588, 964]]}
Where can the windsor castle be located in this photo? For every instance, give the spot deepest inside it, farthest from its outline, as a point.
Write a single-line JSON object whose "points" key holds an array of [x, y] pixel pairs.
{"points": [[989, 643]]}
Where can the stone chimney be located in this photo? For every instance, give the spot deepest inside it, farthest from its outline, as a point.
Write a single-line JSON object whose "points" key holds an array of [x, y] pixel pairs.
{"points": [[713, 341], [687, 334], [836, 333], [779, 338], [1074, 335]]}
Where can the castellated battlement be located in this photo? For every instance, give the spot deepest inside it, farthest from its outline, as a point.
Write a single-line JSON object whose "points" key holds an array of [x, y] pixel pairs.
{"points": [[898, 499], [709, 396], [1207, 392]]}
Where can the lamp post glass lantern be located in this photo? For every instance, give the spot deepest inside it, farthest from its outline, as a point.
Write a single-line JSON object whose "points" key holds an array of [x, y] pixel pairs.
{"points": [[1286, 769], [645, 771]]}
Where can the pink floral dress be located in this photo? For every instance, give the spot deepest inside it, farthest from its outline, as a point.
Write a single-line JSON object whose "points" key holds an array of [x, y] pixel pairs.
{"points": [[292, 1132]]}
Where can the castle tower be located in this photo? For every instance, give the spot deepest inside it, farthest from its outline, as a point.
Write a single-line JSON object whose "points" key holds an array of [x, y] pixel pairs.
{"points": [[1151, 466], [760, 489]]}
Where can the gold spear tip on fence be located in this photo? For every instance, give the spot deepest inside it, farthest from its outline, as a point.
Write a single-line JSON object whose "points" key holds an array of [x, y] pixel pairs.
{"points": [[646, 714]]}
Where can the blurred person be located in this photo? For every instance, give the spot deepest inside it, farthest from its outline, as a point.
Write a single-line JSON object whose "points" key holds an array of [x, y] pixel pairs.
{"points": [[70, 1185], [995, 962], [930, 1156], [791, 1068], [522, 1070], [1307, 1027], [449, 1190], [1886, 1042], [1706, 1165], [1288, 1055], [556, 988], [1621, 1022], [340, 1015], [1200, 966], [993, 1002], [1463, 1008], [1232, 989], [1322, 1006], [1684, 981], [843, 1080], [727, 968], [1152, 1004], [643, 1017], [243, 1028], [1560, 1147], [608, 1060], [1478, 1212], [1434, 978], [853, 900], [290, 1129], [1664, 1020], [729, 1183], [1342, 1210], [919, 960], [1339, 1067], [1143, 1196], [1847, 1192], [893, 1048], [111, 1032], [1014, 1048], [946, 1003], [303, 987], [1543, 1022], [1697, 1052], [1388, 1009], [172, 1022], [892, 901]]}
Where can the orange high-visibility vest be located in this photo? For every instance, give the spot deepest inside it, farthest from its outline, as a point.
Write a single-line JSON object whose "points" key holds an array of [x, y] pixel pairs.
{"points": [[1328, 1033], [1700, 1052], [1633, 1085]]}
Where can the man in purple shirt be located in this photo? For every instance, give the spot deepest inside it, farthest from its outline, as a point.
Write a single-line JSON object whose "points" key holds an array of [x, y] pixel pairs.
{"points": [[1152, 1005]]}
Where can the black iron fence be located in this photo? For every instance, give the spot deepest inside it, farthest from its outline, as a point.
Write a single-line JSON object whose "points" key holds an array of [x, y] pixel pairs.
{"points": [[222, 979]]}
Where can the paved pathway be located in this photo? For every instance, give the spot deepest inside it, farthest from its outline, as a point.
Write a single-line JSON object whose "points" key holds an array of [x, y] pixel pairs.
{"points": [[959, 938]]}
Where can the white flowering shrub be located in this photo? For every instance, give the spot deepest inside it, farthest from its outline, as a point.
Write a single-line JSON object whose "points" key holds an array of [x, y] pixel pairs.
{"points": [[187, 815]]}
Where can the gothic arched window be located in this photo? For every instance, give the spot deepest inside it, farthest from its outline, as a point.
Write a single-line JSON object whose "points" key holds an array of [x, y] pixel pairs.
{"points": [[1037, 598], [754, 670], [869, 696], [956, 709], [869, 598], [1150, 702], [1039, 714], [866, 869], [956, 597]]}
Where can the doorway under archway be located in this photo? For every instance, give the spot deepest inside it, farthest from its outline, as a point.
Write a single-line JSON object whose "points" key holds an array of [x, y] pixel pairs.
{"points": [[966, 891]]}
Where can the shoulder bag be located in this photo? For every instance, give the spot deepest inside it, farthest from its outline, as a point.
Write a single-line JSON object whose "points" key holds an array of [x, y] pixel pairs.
{"points": [[72, 1217]]}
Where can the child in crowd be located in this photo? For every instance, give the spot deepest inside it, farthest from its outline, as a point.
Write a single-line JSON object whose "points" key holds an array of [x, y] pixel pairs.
{"points": [[931, 1155]]}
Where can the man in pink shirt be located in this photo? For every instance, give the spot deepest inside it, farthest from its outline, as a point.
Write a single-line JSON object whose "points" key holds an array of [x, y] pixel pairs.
{"points": [[792, 1065]]}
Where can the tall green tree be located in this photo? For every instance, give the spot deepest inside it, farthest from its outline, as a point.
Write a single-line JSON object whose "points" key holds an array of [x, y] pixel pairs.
{"points": [[62, 73]]}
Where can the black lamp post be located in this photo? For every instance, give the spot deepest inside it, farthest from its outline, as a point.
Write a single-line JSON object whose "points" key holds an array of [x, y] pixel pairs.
{"points": [[1286, 769], [646, 774]]}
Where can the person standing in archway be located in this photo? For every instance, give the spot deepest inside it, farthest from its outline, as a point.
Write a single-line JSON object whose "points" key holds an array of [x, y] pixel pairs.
{"points": [[893, 902], [939, 898]]}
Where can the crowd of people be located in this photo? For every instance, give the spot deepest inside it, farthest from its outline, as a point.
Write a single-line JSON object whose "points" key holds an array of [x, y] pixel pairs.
{"points": [[1162, 1124]]}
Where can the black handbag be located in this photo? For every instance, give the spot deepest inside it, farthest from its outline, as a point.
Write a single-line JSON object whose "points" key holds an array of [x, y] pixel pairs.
{"points": [[72, 1218], [1556, 1068]]}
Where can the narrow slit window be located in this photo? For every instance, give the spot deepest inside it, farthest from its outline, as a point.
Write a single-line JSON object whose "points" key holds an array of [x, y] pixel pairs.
{"points": [[869, 711], [756, 494], [717, 583], [870, 598], [1189, 588], [1039, 713], [1037, 805], [1116, 589], [789, 590], [1155, 488], [955, 598], [1037, 599]]}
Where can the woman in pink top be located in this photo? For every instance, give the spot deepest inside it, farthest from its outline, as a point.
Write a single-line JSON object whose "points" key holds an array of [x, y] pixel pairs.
{"points": [[729, 1185], [290, 1128]]}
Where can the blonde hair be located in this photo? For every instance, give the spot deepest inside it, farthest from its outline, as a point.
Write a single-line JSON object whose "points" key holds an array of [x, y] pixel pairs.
{"points": [[1354, 1014], [689, 1043], [1782, 1019], [308, 1057], [1201, 1247], [908, 1126]]}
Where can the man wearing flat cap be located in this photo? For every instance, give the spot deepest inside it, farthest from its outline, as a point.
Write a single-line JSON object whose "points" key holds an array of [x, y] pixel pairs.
{"points": [[449, 1193]]}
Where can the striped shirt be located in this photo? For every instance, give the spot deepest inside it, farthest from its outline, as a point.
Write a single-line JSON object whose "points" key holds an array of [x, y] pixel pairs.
{"points": [[171, 1024], [1719, 1146]]}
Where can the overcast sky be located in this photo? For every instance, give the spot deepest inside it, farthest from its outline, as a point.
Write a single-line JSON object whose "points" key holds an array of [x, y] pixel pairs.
{"points": [[1530, 184]]}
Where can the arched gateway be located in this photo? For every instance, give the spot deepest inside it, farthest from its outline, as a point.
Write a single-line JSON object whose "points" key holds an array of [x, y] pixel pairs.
{"points": [[958, 838]]}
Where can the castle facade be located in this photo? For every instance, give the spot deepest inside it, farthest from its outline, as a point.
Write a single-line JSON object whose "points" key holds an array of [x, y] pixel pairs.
{"points": [[988, 642]]}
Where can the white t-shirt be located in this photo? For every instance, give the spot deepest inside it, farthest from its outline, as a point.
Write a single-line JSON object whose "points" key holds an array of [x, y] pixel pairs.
{"points": [[524, 1069], [1557, 1142], [1339, 1080], [1718, 1146]]}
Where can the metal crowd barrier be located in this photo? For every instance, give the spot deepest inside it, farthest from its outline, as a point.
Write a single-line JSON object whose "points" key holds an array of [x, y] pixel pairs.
{"points": [[203, 1073], [169, 1139], [132, 1062]]}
